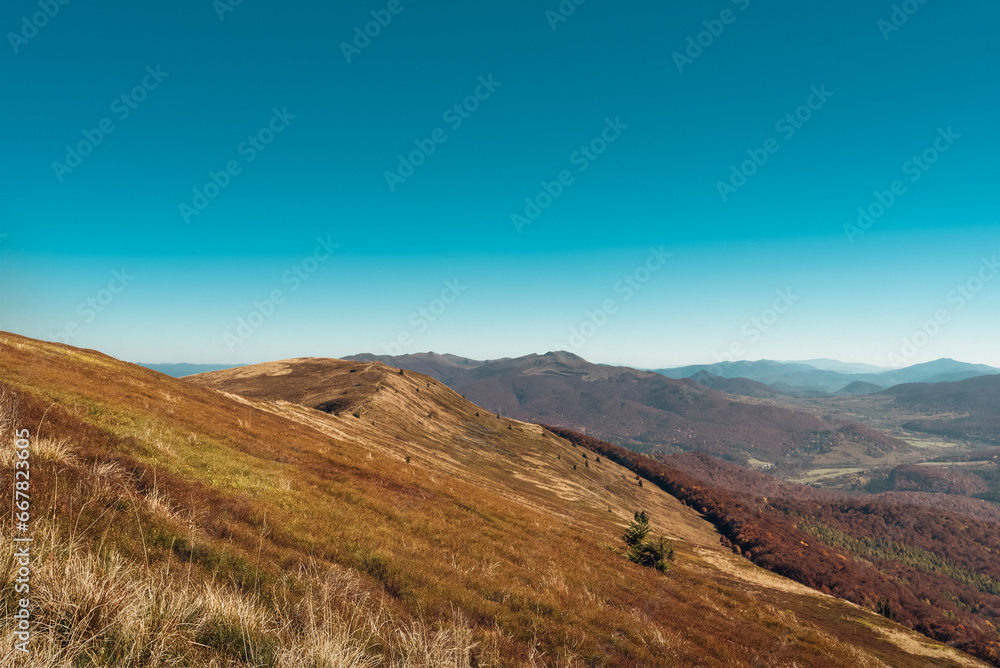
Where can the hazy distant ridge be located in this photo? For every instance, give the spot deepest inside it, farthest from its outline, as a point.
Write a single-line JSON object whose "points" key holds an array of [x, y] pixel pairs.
{"points": [[831, 376]]}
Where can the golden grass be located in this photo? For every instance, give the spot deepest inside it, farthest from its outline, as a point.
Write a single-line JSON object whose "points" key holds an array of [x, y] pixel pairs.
{"points": [[102, 610], [238, 532]]}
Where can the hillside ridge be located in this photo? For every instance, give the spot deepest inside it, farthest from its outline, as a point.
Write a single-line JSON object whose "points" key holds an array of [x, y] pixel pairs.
{"points": [[277, 533]]}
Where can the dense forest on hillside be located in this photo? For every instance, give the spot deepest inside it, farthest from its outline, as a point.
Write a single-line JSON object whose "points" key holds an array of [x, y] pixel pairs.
{"points": [[937, 572], [172, 524], [935, 479], [966, 410]]}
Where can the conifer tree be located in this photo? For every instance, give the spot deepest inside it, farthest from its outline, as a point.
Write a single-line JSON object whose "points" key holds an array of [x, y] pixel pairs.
{"points": [[637, 531], [653, 553]]}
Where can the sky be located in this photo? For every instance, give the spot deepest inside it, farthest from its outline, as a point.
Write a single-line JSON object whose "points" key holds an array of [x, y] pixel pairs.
{"points": [[643, 184]]}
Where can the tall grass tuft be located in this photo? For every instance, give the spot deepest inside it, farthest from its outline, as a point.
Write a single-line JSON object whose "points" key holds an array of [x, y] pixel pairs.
{"points": [[91, 609]]}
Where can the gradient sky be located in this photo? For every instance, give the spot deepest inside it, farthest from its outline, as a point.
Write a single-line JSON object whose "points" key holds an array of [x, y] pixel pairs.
{"points": [[856, 297]]}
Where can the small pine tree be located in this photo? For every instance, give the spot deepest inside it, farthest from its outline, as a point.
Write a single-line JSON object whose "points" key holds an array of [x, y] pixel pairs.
{"points": [[636, 532], [652, 553], [587, 464], [884, 608]]}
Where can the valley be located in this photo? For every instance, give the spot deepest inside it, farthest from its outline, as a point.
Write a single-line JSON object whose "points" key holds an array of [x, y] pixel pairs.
{"points": [[404, 526], [830, 441], [721, 391]]}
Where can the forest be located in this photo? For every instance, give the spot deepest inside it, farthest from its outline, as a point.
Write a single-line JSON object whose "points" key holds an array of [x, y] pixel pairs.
{"points": [[934, 571]]}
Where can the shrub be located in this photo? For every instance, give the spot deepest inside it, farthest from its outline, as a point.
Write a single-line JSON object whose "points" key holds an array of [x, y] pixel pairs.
{"points": [[645, 551]]}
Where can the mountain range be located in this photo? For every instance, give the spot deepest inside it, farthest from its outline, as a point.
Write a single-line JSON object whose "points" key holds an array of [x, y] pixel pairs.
{"points": [[819, 377], [402, 526], [964, 409], [914, 570], [642, 410]]}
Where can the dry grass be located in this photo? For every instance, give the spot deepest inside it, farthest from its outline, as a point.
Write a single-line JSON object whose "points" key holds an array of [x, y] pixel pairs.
{"points": [[101, 610], [93, 606], [180, 527]]}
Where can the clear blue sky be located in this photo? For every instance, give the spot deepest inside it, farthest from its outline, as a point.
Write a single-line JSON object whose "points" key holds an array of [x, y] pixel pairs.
{"points": [[309, 117]]}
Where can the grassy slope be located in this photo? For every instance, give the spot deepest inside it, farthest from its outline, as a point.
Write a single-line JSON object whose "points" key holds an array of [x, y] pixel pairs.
{"points": [[646, 411], [242, 530]]}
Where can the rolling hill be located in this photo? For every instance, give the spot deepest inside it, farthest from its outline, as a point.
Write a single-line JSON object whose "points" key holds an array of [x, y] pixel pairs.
{"points": [[743, 387], [829, 376], [929, 568], [965, 409], [859, 387], [644, 410], [179, 524]]}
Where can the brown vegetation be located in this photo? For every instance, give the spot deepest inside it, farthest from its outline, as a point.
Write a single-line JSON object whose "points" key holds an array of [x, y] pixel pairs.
{"points": [[234, 531], [642, 410], [932, 479], [935, 572]]}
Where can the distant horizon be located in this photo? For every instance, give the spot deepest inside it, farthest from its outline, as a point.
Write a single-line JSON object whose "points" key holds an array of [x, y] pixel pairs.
{"points": [[655, 188], [618, 364]]}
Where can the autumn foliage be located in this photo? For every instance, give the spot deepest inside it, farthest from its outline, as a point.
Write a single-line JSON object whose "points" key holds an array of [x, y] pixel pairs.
{"points": [[935, 572]]}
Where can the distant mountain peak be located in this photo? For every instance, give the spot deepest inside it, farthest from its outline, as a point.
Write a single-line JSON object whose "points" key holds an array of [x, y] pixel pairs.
{"points": [[564, 355]]}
